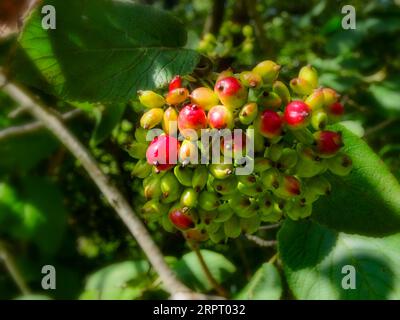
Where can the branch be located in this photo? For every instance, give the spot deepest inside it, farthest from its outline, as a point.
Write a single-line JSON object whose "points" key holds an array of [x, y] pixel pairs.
{"points": [[13, 270], [34, 126], [53, 123], [270, 226], [261, 242], [217, 287]]}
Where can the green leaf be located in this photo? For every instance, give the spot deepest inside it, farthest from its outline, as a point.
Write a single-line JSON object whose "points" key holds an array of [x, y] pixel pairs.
{"points": [[189, 270], [34, 212], [313, 257], [106, 121], [33, 297], [367, 201], [387, 95], [264, 285], [119, 281], [105, 50]]}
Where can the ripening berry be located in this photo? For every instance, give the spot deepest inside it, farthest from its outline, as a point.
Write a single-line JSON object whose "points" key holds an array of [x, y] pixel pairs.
{"points": [[335, 111], [191, 120], [232, 227], [184, 175], [268, 70], [234, 147], [204, 97], [163, 152], [151, 118], [250, 79], [316, 100], [289, 187], [188, 153], [248, 113], [319, 119], [150, 99], [170, 121], [330, 96], [270, 100], [282, 91], [320, 185], [270, 179], [153, 209], [231, 92], [221, 170], [301, 86], [340, 164], [177, 96], [189, 198], [175, 83], [226, 186], [208, 200], [181, 219], [170, 187], [297, 115], [220, 117], [269, 123], [309, 74], [327, 142], [151, 187]]}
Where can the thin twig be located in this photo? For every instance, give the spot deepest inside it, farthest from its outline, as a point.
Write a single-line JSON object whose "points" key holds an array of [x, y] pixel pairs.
{"points": [[270, 226], [33, 126], [52, 122], [261, 242], [380, 126], [13, 270], [217, 287], [16, 112]]}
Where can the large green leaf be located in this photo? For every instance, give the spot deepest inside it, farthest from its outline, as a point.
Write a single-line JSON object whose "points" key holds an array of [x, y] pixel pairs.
{"points": [[120, 281], [105, 50], [264, 285], [368, 200], [33, 212], [189, 270], [314, 256]]}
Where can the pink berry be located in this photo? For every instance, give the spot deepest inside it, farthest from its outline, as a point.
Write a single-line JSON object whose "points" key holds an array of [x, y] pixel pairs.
{"points": [[163, 152], [269, 124], [220, 117], [328, 142], [191, 117], [175, 83], [231, 92], [181, 219], [297, 114], [292, 185]]}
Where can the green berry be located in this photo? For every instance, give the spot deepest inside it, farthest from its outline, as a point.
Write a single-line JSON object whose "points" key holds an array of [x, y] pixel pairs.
{"points": [[221, 171], [189, 198], [208, 200], [141, 169], [170, 187], [200, 176], [341, 164], [184, 175], [152, 187], [232, 227], [250, 225], [226, 186]]}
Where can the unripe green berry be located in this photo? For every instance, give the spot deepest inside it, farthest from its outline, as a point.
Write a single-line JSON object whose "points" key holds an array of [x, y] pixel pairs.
{"points": [[200, 176], [250, 225], [232, 227], [141, 169], [341, 164], [208, 200], [221, 171], [309, 74], [270, 179], [189, 198], [282, 91], [184, 175], [150, 99]]}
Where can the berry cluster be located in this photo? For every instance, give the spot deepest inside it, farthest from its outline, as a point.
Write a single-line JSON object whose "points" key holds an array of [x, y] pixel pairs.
{"points": [[292, 149]]}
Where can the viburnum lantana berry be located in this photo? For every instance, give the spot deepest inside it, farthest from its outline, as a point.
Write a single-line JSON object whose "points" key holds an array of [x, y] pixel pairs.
{"points": [[284, 125]]}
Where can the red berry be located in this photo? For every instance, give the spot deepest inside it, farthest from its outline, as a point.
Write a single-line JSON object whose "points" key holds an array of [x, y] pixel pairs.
{"points": [[297, 114], [336, 109], [220, 117], [163, 152], [192, 117], [328, 142], [269, 124], [181, 219], [231, 92], [175, 83]]}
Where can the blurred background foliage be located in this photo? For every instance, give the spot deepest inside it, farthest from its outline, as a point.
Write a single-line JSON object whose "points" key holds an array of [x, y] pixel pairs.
{"points": [[51, 213]]}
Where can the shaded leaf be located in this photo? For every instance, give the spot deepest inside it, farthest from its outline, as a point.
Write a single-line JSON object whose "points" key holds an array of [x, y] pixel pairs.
{"points": [[106, 121], [314, 256], [104, 50]]}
